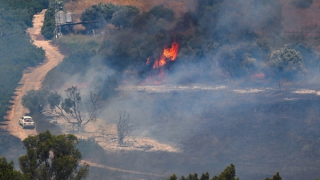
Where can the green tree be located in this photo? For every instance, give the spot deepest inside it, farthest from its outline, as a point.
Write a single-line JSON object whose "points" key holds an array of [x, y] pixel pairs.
{"points": [[123, 18], [52, 157], [156, 22], [173, 177], [205, 176], [286, 62], [47, 30], [228, 174], [161, 12], [101, 12], [275, 177], [35, 100], [71, 108], [7, 170]]}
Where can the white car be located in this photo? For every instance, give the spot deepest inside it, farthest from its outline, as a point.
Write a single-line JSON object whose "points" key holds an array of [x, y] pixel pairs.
{"points": [[26, 121]]}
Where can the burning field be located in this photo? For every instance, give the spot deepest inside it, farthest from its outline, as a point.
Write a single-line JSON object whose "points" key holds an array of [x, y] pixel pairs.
{"points": [[196, 128], [217, 85]]}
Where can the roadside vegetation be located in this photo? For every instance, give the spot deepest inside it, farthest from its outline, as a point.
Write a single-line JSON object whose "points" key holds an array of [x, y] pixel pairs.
{"points": [[48, 157], [17, 53], [16, 50]]}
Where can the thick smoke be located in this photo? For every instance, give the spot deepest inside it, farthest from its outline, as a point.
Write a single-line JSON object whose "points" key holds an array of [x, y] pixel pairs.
{"points": [[217, 105]]}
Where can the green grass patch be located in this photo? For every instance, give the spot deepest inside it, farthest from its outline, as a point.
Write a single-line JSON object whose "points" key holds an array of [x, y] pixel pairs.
{"points": [[71, 43]]}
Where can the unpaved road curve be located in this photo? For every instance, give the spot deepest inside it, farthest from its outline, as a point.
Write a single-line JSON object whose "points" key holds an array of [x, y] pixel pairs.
{"points": [[32, 79]]}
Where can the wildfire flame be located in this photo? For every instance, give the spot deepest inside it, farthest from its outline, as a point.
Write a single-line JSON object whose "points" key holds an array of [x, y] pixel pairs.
{"points": [[169, 54], [148, 61]]}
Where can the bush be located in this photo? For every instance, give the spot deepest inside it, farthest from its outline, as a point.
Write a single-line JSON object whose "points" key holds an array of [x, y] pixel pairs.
{"points": [[161, 12], [48, 27], [236, 60], [123, 17], [286, 62]]}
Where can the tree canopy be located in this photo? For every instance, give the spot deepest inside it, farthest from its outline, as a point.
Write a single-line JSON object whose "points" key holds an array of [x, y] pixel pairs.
{"points": [[7, 170], [228, 174], [275, 177], [123, 17], [35, 100], [48, 157], [101, 11], [160, 11], [52, 157], [286, 62]]}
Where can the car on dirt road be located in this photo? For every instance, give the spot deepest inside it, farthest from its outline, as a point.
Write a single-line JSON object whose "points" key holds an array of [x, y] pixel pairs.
{"points": [[26, 121]]}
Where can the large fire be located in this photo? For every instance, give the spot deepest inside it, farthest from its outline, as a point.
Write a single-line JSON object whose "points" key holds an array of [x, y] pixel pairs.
{"points": [[169, 54]]}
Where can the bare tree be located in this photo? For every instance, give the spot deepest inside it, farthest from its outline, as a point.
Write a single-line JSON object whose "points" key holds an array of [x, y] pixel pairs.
{"points": [[124, 126], [71, 108]]}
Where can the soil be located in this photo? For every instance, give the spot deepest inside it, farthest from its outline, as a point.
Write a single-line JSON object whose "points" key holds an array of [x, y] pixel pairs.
{"points": [[105, 134]]}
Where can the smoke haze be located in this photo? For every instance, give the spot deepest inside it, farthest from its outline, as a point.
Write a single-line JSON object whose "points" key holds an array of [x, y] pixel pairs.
{"points": [[219, 101]]}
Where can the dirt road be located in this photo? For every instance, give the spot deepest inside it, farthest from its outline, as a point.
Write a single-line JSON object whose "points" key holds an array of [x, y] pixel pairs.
{"points": [[32, 78]]}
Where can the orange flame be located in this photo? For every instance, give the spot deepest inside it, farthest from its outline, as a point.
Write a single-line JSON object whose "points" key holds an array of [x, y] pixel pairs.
{"points": [[159, 62], [169, 54], [148, 61]]}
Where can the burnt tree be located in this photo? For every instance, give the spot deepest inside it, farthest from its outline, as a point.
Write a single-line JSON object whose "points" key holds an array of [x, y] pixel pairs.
{"points": [[124, 126], [71, 108]]}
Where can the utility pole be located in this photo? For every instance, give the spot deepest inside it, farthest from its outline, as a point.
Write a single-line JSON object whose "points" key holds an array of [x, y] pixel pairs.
{"points": [[57, 30]]}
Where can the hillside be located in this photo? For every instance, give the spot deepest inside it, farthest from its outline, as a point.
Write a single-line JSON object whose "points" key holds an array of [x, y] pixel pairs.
{"points": [[217, 84], [220, 101], [17, 53], [77, 7]]}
